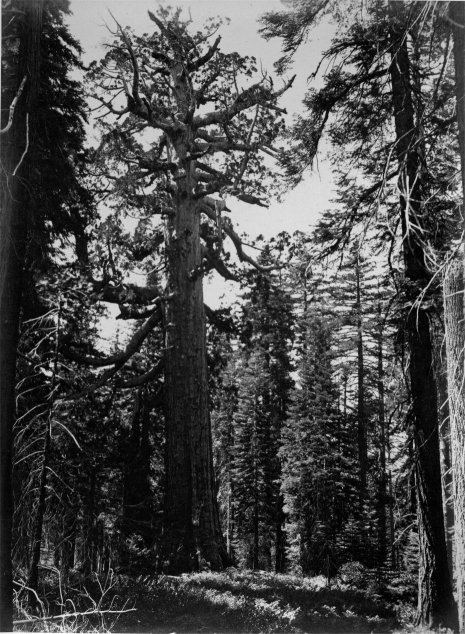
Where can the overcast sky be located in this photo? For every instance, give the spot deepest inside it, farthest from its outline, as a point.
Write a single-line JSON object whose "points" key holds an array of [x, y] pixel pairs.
{"points": [[300, 208]]}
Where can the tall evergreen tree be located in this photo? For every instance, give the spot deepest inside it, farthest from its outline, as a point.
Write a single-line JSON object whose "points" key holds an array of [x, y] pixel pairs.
{"points": [[318, 455], [197, 115], [21, 79], [381, 103], [41, 158]]}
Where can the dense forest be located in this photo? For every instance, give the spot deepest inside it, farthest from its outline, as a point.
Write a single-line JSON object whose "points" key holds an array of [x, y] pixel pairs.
{"points": [[294, 459]]}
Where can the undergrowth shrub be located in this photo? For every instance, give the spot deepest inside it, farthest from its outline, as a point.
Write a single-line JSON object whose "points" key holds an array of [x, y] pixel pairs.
{"points": [[354, 573]]}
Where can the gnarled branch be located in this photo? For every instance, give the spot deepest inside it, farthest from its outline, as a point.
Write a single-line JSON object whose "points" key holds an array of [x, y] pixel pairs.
{"points": [[201, 61], [120, 358], [208, 207]]}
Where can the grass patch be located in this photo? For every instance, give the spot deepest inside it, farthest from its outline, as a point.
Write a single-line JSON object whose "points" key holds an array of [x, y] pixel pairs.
{"points": [[240, 601], [232, 602]]}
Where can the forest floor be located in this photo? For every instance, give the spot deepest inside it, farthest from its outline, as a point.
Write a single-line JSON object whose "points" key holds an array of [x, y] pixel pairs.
{"points": [[238, 601], [243, 601]]}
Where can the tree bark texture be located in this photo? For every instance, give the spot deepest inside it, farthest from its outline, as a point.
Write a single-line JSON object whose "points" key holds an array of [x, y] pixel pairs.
{"points": [[436, 605], [445, 450], [455, 327], [457, 14], [13, 228], [192, 534], [455, 338]]}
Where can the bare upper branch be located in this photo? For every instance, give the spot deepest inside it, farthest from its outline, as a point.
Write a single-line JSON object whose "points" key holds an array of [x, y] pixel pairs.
{"points": [[255, 94], [204, 59], [208, 207]]}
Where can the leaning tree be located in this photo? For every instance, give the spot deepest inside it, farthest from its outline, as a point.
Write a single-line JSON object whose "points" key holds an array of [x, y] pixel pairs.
{"points": [[183, 122]]}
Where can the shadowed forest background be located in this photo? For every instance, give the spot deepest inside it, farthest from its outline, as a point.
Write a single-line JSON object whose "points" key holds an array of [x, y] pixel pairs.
{"points": [[292, 460]]}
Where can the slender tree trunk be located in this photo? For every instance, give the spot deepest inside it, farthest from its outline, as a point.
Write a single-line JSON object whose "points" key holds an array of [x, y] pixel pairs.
{"points": [[361, 409], [137, 515], [68, 546], [255, 543], [33, 580], [436, 605], [455, 328], [89, 526], [392, 546], [13, 229], [445, 450], [192, 532], [280, 556], [382, 486]]}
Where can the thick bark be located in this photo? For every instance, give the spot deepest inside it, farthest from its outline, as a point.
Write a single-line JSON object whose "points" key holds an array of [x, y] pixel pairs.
{"points": [[455, 338], [457, 14], [192, 534], [13, 226], [455, 328], [436, 606]]}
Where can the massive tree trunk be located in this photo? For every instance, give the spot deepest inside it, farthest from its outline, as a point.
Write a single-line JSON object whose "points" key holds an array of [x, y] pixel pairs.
{"points": [[455, 338], [436, 606], [15, 160], [455, 328], [192, 534]]}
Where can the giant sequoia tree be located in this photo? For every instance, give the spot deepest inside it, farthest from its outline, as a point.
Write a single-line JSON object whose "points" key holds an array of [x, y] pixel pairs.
{"points": [[208, 126]]}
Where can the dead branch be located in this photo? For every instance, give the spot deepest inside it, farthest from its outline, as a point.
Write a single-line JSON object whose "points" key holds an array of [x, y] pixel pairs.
{"points": [[71, 615], [201, 61], [218, 265], [13, 106], [145, 378], [255, 94], [208, 207], [120, 357]]}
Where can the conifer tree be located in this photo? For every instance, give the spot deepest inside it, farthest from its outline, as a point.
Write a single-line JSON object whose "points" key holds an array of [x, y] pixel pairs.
{"points": [[20, 82], [266, 333], [318, 458], [381, 104], [198, 106]]}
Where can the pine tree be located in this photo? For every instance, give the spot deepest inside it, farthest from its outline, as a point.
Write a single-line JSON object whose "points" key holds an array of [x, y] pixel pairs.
{"points": [[266, 333], [318, 457], [380, 102]]}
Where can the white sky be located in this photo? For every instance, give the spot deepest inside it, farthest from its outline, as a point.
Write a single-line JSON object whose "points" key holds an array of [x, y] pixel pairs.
{"points": [[301, 207]]}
